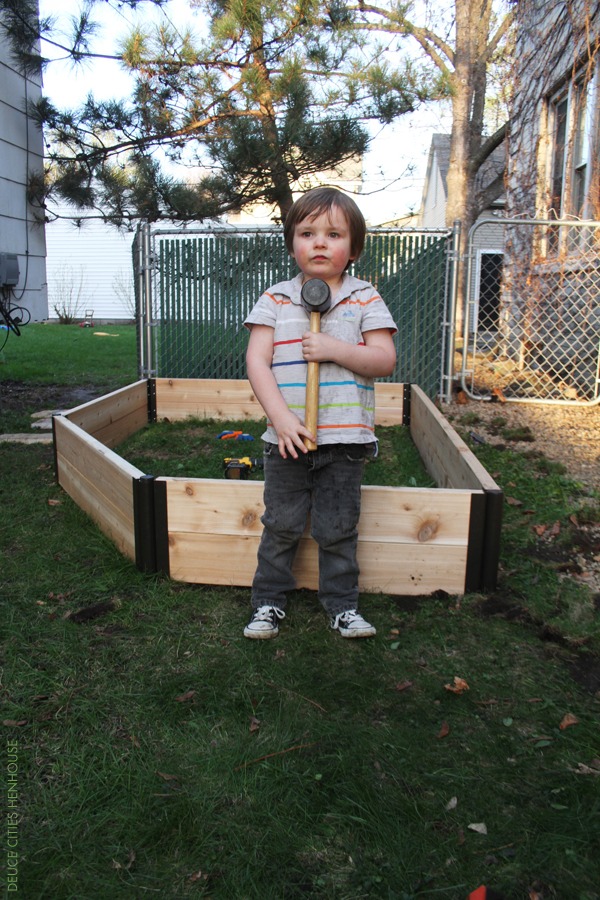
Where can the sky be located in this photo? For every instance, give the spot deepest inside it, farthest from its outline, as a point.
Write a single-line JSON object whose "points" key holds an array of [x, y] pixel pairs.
{"points": [[394, 167]]}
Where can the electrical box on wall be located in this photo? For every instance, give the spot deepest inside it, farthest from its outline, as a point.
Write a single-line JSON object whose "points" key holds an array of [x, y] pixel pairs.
{"points": [[9, 269]]}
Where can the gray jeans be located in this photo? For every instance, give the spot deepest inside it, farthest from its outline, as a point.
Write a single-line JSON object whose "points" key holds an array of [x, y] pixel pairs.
{"points": [[325, 482]]}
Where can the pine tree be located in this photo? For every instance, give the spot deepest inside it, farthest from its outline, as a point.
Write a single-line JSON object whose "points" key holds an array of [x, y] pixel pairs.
{"points": [[271, 95]]}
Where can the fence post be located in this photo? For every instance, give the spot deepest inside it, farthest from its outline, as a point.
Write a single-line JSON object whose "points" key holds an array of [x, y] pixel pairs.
{"points": [[449, 325], [140, 297], [145, 320]]}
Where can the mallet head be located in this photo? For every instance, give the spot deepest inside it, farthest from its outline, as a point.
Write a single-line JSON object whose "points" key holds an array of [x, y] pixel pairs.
{"points": [[316, 295]]}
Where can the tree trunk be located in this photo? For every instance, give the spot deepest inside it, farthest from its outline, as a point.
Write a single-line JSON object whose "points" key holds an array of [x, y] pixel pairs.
{"points": [[468, 103], [282, 192]]}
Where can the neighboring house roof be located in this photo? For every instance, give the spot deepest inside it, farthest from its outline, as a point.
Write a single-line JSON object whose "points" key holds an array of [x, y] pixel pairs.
{"points": [[435, 188], [440, 152]]}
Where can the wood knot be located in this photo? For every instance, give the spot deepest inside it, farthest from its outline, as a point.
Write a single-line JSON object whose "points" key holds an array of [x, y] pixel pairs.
{"points": [[189, 490], [428, 530], [248, 519]]}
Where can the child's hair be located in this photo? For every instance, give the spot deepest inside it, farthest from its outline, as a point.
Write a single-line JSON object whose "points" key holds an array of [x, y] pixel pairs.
{"points": [[322, 200]]}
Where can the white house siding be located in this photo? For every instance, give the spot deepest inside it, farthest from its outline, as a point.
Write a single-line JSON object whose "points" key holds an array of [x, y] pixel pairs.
{"points": [[89, 268], [21, 153]]}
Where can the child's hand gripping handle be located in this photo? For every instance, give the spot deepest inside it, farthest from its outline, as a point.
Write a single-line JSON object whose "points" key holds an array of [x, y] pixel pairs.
{"points": [[316, 298]]}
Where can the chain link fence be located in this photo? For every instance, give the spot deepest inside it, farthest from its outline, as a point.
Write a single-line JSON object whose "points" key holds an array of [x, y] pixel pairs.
{"points": [[532, 316], [195, 288]]}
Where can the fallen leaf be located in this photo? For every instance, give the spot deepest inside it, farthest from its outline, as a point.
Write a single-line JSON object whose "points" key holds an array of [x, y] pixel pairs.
{"points": [[166, 777], [479, 827], [444, 730], [540, 530], [279, 654], [54, 502], [198, 876], [14, 723], [127, 865], [403, 685], [183, 698], [254, 724], [568, 720], [459, 686], [555, 530], [452, 804], [512, 501], [582, 769]]}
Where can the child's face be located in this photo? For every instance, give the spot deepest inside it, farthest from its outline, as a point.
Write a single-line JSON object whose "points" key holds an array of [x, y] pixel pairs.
{"points": [[321, 246]]}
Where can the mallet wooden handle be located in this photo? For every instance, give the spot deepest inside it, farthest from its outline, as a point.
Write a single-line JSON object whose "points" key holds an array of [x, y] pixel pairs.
{"points": [[311, 406], [316, 299]]}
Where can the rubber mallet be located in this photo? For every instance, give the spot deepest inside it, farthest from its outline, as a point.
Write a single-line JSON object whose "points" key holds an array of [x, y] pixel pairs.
{"points": [[316, 299]]}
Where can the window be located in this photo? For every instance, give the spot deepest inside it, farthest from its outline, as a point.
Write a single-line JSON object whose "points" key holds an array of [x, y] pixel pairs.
{"points": [[574, 133]]}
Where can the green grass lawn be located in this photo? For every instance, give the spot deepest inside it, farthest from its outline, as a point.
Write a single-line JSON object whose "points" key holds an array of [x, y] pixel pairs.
{"points": [[191, 449], [161, 754], [70, 355]]}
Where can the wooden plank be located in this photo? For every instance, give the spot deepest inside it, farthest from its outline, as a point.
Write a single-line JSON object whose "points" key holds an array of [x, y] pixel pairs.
{"points": [[116, 494], [84, 451], [108, 516], [414, 515], [443, 452], [115, 416], [210, 505], [389, 403], [206, 398], [388, 514], [387, 568], [98, 480]]}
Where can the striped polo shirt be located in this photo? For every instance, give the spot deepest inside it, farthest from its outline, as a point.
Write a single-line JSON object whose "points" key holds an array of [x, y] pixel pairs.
{"points": [[346, 400]]}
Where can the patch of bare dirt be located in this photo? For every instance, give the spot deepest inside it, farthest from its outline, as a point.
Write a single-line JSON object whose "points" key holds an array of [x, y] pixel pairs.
{"points": [[16, 396], [569, 435], [566, 434]]}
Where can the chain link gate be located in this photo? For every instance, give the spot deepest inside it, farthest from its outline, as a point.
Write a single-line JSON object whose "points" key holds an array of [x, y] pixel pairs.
{"points": [[532, 315], [194, 288]]}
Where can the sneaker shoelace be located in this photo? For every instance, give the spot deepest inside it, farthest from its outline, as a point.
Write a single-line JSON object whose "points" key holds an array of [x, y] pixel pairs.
{"points": [[267, 614], [347, 618]]}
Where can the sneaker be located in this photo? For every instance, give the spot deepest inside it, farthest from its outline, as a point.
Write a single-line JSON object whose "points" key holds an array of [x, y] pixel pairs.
{"points": [[351, 624], [263, 622]]}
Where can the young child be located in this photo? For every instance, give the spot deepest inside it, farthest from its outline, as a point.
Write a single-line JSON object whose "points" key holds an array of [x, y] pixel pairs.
{"points": [[324, 232]]}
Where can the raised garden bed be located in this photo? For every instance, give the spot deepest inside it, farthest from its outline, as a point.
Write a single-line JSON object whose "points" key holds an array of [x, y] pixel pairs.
{"points": [[412, 540]]}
